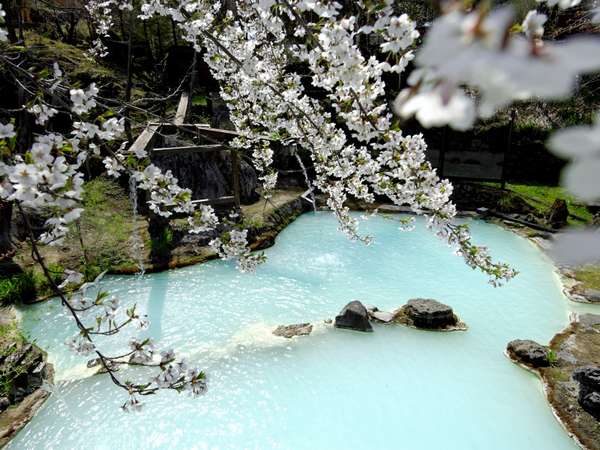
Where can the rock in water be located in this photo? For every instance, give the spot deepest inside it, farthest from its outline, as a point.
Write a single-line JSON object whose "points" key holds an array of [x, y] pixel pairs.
{"points": [[427, 313], [559, 213], [382, 316], [371, 308], [591, 404], [529, 353], [354, 316], [592, 295], [589, 389], [588, 377], [289, 331]]}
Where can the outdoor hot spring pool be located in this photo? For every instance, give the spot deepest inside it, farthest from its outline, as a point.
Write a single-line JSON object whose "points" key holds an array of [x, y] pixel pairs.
{"points": [[396, 388]]}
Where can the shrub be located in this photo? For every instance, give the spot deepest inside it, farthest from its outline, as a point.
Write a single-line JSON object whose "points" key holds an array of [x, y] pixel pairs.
{"points": [[18, 288], [28, 285]]}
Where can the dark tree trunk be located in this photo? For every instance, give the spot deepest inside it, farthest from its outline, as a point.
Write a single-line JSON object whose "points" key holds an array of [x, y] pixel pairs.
{"points": [[160, 43], [6, 247], [73, 20], [21, 8]]}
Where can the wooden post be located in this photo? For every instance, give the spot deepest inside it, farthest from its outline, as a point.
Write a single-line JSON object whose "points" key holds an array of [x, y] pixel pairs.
{"points": [[235, 171], [174, 31], [504, 173], [193, 77], [182, 109]]}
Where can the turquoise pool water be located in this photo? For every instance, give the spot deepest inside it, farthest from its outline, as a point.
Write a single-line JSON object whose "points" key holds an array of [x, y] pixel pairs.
{"points": [[396, 388]]}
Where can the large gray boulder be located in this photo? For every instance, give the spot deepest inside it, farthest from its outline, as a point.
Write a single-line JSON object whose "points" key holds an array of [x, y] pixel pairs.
{"points": [[208, 175], [428, 313], [354, 316], [529, 353]]}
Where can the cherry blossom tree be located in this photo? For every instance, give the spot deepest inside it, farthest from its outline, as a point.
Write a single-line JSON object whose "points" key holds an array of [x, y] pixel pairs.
{"points": [[265, 55]]}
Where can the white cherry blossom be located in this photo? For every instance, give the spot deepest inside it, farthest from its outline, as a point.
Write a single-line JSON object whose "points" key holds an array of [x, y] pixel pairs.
{"points": [[42, 113], [563, 4], [72, 277], [7, 130]]}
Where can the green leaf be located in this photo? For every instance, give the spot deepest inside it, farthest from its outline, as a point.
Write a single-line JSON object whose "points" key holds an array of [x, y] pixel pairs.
{"points": [[44, 73], [199, 100]]}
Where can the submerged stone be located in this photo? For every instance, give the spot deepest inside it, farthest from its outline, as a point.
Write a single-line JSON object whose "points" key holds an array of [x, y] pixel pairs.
{"points": [[354, 316], [289, 331], [383, 316], [528, 352], [94, 363], [428, 313]]}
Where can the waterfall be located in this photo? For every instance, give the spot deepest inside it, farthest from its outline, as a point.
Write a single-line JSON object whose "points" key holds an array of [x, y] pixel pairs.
{"points": [[136, 238], [308, 182]]}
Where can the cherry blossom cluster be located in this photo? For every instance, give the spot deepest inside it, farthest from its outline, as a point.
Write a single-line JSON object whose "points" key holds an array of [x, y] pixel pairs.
{"points": [[580, 145], [3, 32], [108, 318], [47, 179], [480, 49], [268, 102], [100, 12], [43, 179], [234, 245], [347, 129]]}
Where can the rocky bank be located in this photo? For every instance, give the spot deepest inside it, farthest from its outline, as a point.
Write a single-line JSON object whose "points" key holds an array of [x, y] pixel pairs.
{"points": [[23, 370], [561, 366]]}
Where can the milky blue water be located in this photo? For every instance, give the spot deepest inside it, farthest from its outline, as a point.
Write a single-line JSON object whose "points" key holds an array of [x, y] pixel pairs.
{"points": [[396, 388]]}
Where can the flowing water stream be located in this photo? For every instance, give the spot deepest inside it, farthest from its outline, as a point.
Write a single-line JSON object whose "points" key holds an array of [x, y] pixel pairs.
{"points": [[395, 388]]}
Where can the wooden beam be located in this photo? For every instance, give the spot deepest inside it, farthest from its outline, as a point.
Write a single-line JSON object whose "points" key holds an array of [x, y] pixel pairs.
{"points": [[226, 200], [182, 109], [201, 127], [189, 148], [145, 139], [307, 196], [209, 130], [535, 226]]}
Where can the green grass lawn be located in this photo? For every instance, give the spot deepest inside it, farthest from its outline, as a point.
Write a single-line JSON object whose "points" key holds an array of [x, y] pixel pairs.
{"points": [[106, 229], [542, 197], [589, 276]]}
